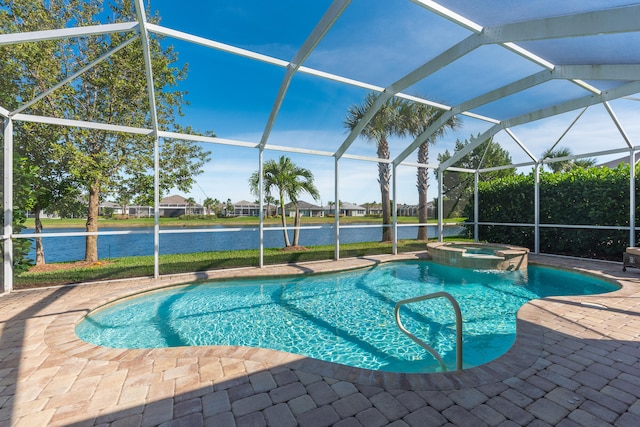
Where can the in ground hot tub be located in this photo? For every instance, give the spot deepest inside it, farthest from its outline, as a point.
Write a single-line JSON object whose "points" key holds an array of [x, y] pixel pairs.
{"points": [[480, 256]]}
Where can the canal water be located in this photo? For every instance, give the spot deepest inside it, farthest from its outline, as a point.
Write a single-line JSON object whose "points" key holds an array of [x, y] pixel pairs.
{"points": [[63, 249]]}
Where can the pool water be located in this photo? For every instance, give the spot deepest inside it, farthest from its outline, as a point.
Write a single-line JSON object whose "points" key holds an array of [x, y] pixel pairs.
{"points": [[345, 317]]}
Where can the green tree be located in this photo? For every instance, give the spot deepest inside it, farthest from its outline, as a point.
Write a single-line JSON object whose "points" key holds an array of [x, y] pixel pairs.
{"points": [[113, 91], [416, 118], [53, 182], [565, 165], [385, 123], [29, 69], [290, 181], [23, 176], [458, 186], [70, 206], [209, 204], [124, 196]]}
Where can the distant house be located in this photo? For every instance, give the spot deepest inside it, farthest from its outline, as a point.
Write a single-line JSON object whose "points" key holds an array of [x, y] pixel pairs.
{"points": [[372, 208], [139, 211], [407, 210], [174, 206], [245, 208], [109, 208], [306, 209], [412, 210], [171, 206], [345, 209]]}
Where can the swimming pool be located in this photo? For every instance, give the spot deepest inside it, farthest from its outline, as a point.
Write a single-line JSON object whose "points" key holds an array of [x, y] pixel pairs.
{"points": [[346, 317]]}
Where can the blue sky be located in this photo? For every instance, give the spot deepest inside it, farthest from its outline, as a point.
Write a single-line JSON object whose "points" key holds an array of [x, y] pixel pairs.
{"points": [[374, 41]]}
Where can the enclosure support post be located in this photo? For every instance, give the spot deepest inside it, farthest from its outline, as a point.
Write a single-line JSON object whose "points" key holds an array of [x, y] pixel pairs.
{"points": [[632, 199], [440, 207], [153, 112], [536, 208], [7, 226], [156, 209], [476, 208], [336, 211], [394, 206], [261, 203]]}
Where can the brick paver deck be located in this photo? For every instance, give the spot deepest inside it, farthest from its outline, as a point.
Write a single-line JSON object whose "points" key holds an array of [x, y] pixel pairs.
{"points": [[576, 361]]}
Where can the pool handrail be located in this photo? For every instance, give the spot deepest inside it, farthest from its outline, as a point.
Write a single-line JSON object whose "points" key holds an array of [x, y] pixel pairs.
{"points": [[434, 353]]}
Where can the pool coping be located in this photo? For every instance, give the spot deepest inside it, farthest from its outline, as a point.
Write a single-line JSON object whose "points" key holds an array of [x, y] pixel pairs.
{"points": [[527, 349]]}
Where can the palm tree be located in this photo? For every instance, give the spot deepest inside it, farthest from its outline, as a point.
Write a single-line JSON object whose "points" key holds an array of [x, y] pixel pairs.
{"points": [[383, 125], [336, 209], [230, 208], [270, 201], [415, 119], [190, 203], [290, 181], [565, 165]]}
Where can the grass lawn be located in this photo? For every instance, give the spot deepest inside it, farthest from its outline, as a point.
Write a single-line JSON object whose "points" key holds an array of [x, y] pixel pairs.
{"points": [[140, 266], [119, 268]]}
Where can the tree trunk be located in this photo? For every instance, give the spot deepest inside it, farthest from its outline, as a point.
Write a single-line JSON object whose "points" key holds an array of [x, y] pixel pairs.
{"points": [[423, 186], [91, 242], [284, 223], [296, 230], [384, 177], [39, 247]]}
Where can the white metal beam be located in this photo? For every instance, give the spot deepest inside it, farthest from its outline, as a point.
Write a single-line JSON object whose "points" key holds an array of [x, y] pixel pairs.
{"points": [[81, 124], [324, 25], [63, 33], [473, 143], [214, 45], [521, 145], [7, 206], [366, 118], [561, 108], [286, 149], [504, 91], [623, 72], [210, 139], [366, 158], [564, 107], [449, 14], [447, 57], [618, 125], [608, 21], [264, 58], [566, 131], [148, 69]]}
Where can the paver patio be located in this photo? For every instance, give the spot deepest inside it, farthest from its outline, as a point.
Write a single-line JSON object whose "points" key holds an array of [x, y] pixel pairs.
{"points": [[576, 361]]}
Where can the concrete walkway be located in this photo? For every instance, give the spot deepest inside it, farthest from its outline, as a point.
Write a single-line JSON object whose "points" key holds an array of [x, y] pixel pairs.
{"points": [[576, 361]]}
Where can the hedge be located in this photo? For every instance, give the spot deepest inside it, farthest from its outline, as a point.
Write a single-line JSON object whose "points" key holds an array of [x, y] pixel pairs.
{"points": [[592, 196]]}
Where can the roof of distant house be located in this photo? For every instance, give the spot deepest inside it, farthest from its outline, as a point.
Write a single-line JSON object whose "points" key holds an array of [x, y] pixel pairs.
{"points": [[176, 200], [303, 205], [612, 164]]}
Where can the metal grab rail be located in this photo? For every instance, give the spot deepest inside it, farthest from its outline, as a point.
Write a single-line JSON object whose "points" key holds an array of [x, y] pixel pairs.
{"points": [[424, 345]]}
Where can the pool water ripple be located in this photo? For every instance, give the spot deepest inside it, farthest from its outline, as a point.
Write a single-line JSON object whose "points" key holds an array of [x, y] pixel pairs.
{"points": [[343, 317]]}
